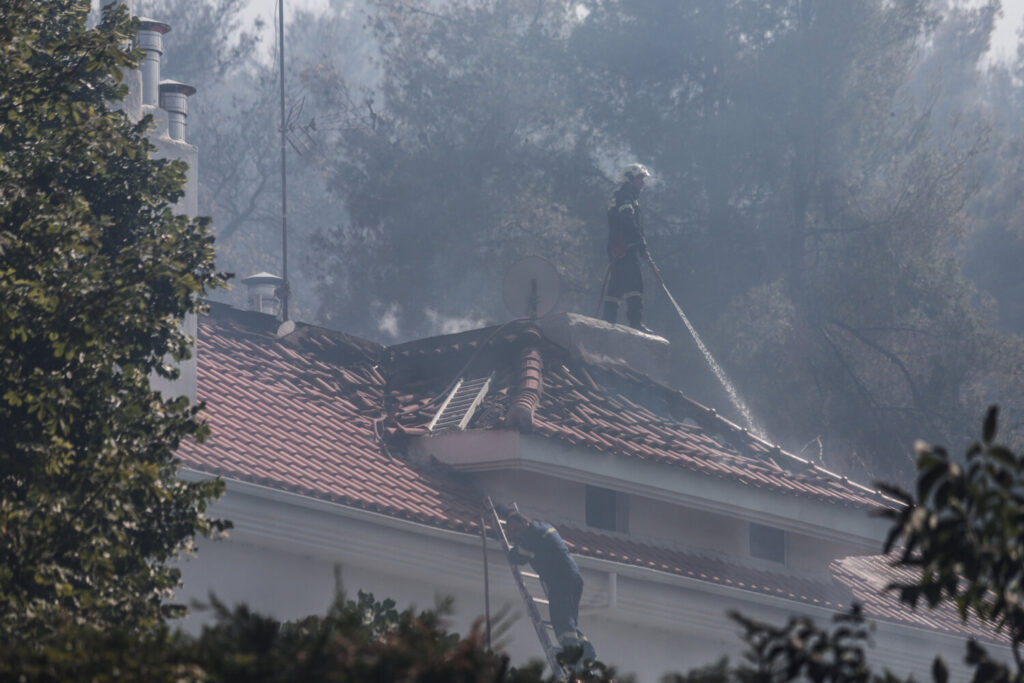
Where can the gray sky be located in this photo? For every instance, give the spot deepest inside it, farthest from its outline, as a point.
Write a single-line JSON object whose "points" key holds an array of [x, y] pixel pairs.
{"points": [[1004, 45]]}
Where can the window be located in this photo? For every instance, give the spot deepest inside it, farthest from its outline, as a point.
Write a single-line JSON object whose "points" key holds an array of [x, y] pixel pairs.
{"points": [[767, 543], [607, 509]]}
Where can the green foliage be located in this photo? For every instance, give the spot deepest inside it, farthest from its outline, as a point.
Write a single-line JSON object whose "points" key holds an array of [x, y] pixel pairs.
{"points": [[803, 651], [356, 640], [802, 202], [960, 531], [96, 272], [82, 652], [962, 528], [808, 204]]}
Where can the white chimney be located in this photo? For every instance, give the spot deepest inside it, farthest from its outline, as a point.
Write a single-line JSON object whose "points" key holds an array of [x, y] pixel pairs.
{"points": [[263, 293], [174, 100], [151, 39]]}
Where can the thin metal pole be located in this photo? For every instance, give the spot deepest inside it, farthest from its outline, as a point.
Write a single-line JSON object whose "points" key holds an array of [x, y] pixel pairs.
{"points": [[487, 588], [284, 174]]}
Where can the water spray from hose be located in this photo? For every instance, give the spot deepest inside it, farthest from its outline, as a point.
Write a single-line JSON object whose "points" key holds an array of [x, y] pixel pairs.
{"points": [[730, 389]]}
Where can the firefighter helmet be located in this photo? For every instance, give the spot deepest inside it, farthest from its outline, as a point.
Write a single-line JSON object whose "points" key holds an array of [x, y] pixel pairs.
{"points": [[634, 171]]}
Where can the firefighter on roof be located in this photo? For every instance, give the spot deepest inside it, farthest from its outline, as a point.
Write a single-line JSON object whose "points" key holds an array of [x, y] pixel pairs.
{"points": [[626, 245], [539, 544]]}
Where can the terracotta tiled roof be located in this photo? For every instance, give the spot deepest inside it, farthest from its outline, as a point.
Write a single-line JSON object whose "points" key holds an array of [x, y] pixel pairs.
{"points": [[611, 409], [598, 417], [867, 577], [300, 415], [308, 413]]}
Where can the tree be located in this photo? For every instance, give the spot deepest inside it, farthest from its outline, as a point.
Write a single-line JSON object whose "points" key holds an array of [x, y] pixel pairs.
{"points": [[962, 527], [465, 158], [96, 271], [809, 210], [235, 123], [806, 215], [356, 640]]}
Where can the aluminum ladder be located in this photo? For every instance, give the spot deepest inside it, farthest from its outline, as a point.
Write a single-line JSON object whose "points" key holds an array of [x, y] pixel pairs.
{"points": [[542, 627]]}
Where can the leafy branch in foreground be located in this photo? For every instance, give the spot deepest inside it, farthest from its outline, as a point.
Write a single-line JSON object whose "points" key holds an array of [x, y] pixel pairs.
{"points": [[963, 530], [803, 651], [97, 270]]}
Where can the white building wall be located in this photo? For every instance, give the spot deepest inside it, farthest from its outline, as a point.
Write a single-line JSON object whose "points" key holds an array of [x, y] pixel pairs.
{"points": [[281, 557], [687, 526], [561, 500], [543, 497]]}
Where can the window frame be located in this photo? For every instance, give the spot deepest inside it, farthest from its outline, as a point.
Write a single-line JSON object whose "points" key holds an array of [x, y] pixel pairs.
{"points": [[606, 509], [768, 543]]}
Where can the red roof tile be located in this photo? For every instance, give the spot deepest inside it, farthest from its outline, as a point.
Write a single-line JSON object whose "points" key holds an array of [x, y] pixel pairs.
{"points": [[867, 576], [285, 418]]}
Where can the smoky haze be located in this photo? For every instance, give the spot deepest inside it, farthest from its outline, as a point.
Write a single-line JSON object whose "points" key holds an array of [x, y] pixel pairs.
{"points": [[835, 199]]}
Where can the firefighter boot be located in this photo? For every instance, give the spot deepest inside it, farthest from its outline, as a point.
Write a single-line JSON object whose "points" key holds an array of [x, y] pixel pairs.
{"points": [[611, 311], [635, 313], [589, 654]]}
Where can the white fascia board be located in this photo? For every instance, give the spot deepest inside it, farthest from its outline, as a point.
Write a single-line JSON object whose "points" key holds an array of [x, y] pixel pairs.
{"points": [[723, 495], [490, 450]]}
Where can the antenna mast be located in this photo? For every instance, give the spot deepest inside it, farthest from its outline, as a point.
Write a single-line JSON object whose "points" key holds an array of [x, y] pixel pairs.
{"points": [[284, 295]]}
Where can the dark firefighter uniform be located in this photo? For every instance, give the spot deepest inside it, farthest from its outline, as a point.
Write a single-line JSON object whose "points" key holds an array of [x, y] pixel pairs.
{"points": [[544, 549], [625, 247]]}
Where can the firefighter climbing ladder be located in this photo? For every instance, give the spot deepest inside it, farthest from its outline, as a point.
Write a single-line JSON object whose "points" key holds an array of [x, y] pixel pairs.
{"points": [[539, 625]]}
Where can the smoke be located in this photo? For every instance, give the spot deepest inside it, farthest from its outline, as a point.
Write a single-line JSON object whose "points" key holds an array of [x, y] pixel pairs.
{"points": [[388, 321], [443, 324]]}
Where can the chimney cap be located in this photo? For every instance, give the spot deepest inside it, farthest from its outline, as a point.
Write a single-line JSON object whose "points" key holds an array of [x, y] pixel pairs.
{"points": [[146, 24], [168, 85], [263, 278]]}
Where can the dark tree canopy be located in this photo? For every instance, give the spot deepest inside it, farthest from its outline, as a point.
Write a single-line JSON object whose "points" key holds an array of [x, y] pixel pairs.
{"points": [[821, 169], [810, 202], [466, 157], [96, 272]]}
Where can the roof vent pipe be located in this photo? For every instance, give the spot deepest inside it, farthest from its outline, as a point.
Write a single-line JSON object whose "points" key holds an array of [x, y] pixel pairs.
{"points": [[151, 39], [174, 99], [263, 293]]}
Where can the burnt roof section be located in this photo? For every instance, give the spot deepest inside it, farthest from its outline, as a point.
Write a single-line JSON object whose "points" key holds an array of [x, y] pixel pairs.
{"points": [[606, 408]]}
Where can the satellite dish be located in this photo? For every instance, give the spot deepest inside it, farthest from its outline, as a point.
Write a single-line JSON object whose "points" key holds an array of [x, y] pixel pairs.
{"points": [[531, 288]]}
